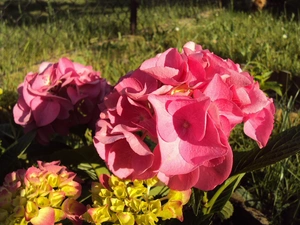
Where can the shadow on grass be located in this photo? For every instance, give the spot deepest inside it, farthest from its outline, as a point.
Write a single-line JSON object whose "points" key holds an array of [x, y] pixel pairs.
{"points": [[19, 12]]}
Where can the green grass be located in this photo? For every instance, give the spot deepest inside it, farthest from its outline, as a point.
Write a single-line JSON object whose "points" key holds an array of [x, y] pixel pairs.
{"points": [[275, 189], [103, 41]]}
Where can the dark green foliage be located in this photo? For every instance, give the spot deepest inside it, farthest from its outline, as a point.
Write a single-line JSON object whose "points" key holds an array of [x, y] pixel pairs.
{"points": [[279, 147]]}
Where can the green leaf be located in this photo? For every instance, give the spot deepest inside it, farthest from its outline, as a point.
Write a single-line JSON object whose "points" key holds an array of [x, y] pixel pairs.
{"points": [[159, 191], [6, 130], [226, 211], [279, 147], [223, 194], [85, 159], [9, 158], [272, 85], [94, 170], [196, 200]]}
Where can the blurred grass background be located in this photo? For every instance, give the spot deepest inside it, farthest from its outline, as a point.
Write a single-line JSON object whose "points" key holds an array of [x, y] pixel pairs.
{"points": [[266, 43]]}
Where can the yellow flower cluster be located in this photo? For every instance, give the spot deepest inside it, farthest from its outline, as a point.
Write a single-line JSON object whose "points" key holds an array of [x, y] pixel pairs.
{"points": [[38, 196], [130, 202]]}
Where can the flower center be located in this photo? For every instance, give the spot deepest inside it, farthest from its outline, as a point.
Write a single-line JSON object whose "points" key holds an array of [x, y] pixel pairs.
{"points": [[186, 124], [181, 90]]}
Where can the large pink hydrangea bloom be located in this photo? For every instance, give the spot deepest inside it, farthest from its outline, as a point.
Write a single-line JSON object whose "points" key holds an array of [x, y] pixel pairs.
{"points": [[185, 104], [61, 95]]}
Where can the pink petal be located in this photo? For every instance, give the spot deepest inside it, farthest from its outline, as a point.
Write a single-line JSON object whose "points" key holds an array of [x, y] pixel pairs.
{"points": [[239, 79], [167, 67], [180, 116], [46, 216], [64, 66], [73, 208], [22, 113], [196, 68], [44, 110], [104, 180], [230, 110], [153, 170], [166, 75], [180, 182], [126, 154], [217, 65], [92, 89], [217, 84], [213, 175], [191, 47], [165, 126], [74, 95], [189, 118], [104, 134], [135, 142], [170, 58], [213, 145], [240, 96], [172, 163], [227, 114], [65, 108], [45, 80], [258, 99], [259, 126], [53, 167], [148, 82], [149, 63], [25, 89], [124, 162], [44, 66], [139, 116], [131, 85]]}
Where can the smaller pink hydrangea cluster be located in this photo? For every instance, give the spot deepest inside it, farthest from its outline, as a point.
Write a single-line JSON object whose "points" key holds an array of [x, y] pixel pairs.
{"points": [[60, 96], [172, 117], [40, 195]]}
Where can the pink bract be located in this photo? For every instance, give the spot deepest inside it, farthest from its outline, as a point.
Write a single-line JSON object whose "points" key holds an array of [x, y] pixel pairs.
{"points": [[126, 154], [173, 117], [60, 96]]}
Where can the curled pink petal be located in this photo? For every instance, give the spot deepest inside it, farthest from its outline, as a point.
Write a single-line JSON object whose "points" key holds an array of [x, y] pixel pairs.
{"points": [[259, 126], [180, 182], [215, 173], [46, 216], [44, 111]]}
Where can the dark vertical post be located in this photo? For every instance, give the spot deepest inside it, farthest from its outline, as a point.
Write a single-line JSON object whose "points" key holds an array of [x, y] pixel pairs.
{"points": [[220, 4], [133, 15]]}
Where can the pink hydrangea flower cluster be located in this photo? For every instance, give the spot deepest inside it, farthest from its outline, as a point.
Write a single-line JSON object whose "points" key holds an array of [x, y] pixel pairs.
{"points": [[60, 96], [172, 117], [40, 195]]}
